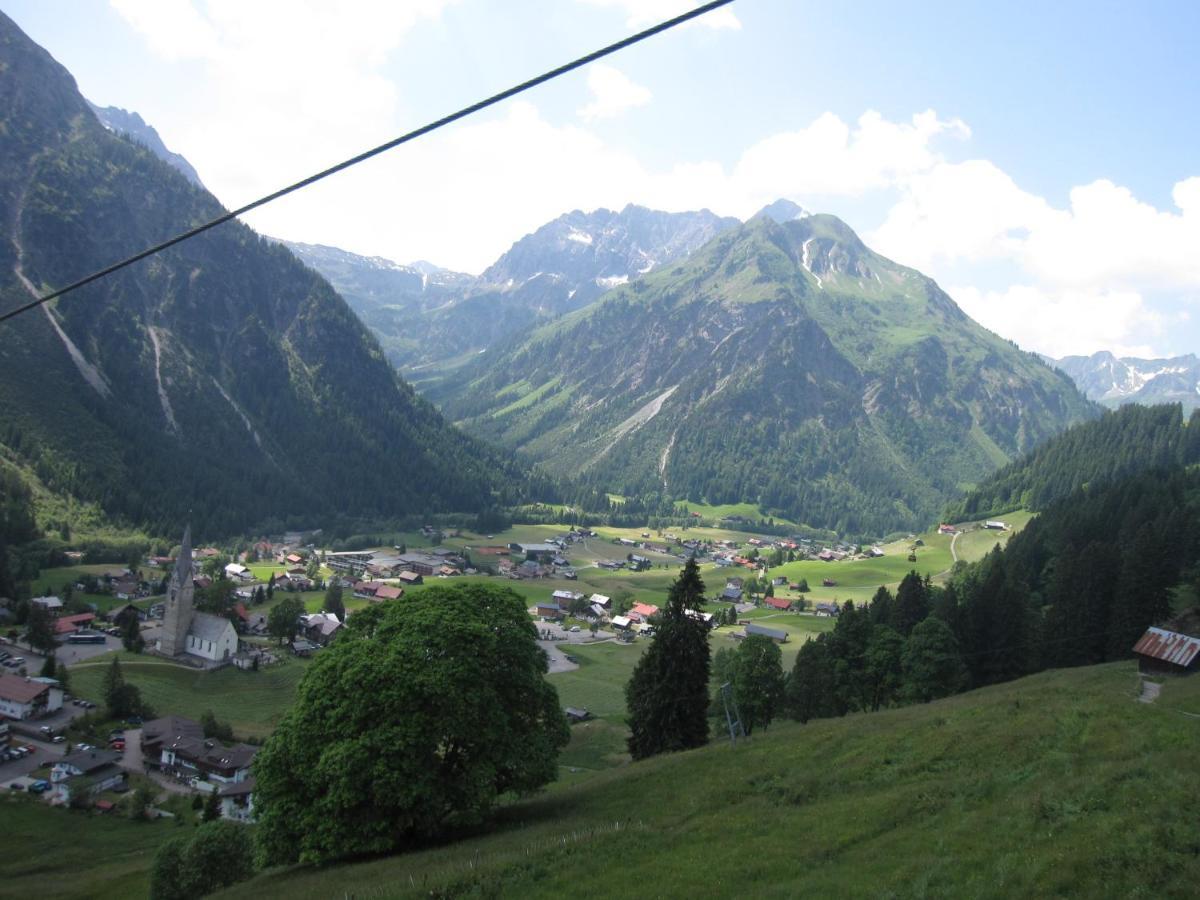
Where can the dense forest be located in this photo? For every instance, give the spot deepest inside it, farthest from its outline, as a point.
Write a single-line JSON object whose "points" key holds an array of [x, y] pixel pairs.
{"points": [[1129, 440], [1077, 587]]}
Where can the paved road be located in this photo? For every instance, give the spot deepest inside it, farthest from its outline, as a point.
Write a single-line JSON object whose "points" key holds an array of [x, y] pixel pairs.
{"points": [[18, 770]]}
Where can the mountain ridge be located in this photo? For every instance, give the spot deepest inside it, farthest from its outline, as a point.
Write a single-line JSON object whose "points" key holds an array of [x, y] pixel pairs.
{"points": [[851, 378], [1113, 381]]}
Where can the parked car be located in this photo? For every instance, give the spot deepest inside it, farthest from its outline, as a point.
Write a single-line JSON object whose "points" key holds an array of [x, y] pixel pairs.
{"points": [[57, 739], [575, 629], [39, 787], [16, 786], [132, 720], [46, 729], [118, 744]]}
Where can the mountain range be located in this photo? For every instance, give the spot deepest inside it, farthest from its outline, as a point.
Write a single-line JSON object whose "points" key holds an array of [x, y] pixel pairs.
{"points": [[1114, 381], [430, 321], [783, 363], [220, 377]]}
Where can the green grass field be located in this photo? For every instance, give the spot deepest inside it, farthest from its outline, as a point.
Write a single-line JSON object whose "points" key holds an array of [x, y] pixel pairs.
{"points": [[1055, 785], [252, 702], [56, 853]]}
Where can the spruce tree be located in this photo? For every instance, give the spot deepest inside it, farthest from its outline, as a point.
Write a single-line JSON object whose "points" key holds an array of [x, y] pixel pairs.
{"points": [[667, 695]]}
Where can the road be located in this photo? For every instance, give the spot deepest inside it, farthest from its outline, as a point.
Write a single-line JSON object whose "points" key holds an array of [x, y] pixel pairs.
{"points": [[953, 541], [18, 770]]}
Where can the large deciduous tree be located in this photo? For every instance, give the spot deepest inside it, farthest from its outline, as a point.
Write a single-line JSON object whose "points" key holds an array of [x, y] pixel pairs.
{"points": [[416, 721], [667, 695]]}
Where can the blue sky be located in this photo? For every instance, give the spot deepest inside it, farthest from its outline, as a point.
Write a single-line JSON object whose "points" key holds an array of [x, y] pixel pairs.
{"points": [[1039, 160]]}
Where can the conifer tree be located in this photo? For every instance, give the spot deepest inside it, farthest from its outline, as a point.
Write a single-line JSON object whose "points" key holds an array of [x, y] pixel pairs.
{"points": [[667, 695]]}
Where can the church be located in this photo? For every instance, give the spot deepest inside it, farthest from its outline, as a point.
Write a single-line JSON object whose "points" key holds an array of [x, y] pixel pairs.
{"points": [[185, 631]]}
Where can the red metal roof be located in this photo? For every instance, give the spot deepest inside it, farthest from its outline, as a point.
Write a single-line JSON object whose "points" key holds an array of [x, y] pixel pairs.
{"points": [[644, 609], [778, 602], [65, 624], [1171, 646]]}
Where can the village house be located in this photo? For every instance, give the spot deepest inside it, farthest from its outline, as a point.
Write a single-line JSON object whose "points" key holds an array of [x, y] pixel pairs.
{"points": [[158, 732], [781, 603], [388, 592], [827, 609], [51, 604], [536, 552], [642, 611], [65, 625], [410, 578], [549, 609], [420, 563], [97, 769], [600, 600], [237, 800], [639, 563], [565, 598], [321, 628], [27, 698], [238, 572], [732, 594], [622, 623], [208, 760], [1163, 652]]}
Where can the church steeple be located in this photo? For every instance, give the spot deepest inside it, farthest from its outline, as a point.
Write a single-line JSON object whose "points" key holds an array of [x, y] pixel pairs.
{"points": [[178, 617]]}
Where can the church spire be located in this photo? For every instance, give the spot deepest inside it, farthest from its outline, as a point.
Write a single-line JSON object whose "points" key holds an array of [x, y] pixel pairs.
{"points": [[183, 565]]}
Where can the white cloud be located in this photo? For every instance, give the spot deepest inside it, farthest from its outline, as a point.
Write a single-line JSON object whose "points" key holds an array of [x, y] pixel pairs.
{"points": [[644, 13], [1065, 322], [612, 93], [1087, 275], [290, 86]]}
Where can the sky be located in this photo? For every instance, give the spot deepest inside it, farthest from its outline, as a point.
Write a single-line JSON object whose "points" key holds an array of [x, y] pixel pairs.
{"points": [[1040, 160]]}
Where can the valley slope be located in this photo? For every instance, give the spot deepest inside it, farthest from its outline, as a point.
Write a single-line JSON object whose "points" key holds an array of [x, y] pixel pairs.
{"points": [[220, 376], [783, 363]]}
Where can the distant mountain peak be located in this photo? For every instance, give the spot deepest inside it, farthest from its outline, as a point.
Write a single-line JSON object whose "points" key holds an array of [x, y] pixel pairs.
{"points": [[783, 210], [1114, 381]]}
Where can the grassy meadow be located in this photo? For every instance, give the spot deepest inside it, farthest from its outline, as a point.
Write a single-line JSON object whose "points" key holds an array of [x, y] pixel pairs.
{"points": [[252, 702], [68, 854], [1057, 784]]}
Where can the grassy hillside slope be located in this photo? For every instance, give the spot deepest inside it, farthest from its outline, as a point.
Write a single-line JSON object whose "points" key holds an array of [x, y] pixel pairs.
{"points": [[1056, 784]]}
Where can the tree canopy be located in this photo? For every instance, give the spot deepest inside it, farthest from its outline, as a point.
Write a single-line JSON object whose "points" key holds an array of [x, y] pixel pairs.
{"points": [[415, 722]]}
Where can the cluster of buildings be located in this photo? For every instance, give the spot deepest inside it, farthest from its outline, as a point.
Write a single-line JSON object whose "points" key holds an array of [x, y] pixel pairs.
{"points": [[177, 747]]}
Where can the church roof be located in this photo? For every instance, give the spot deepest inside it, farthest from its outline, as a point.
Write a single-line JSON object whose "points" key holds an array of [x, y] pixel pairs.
{"points": [[207, 627]]}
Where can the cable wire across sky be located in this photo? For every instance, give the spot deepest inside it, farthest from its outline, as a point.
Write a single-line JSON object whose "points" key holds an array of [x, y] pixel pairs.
{"points": [[376, 151]]}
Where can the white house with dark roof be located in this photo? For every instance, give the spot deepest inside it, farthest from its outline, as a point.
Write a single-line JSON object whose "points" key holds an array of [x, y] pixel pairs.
{"points": [[97, 769], [24, 698]]}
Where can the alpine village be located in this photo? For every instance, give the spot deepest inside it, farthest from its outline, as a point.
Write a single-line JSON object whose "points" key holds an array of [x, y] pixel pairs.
{"points": [[674, 554]]}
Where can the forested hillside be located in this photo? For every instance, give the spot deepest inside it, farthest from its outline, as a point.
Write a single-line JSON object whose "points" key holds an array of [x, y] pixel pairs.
{"points": [[1129, 440], [783, 364], [221, 378], [1079, 585]]}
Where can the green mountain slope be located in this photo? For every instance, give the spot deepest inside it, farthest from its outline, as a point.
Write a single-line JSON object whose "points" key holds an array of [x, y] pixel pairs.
{"points": [[1129, 440], [784, 363], [220, 376], [1058, 784]]}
